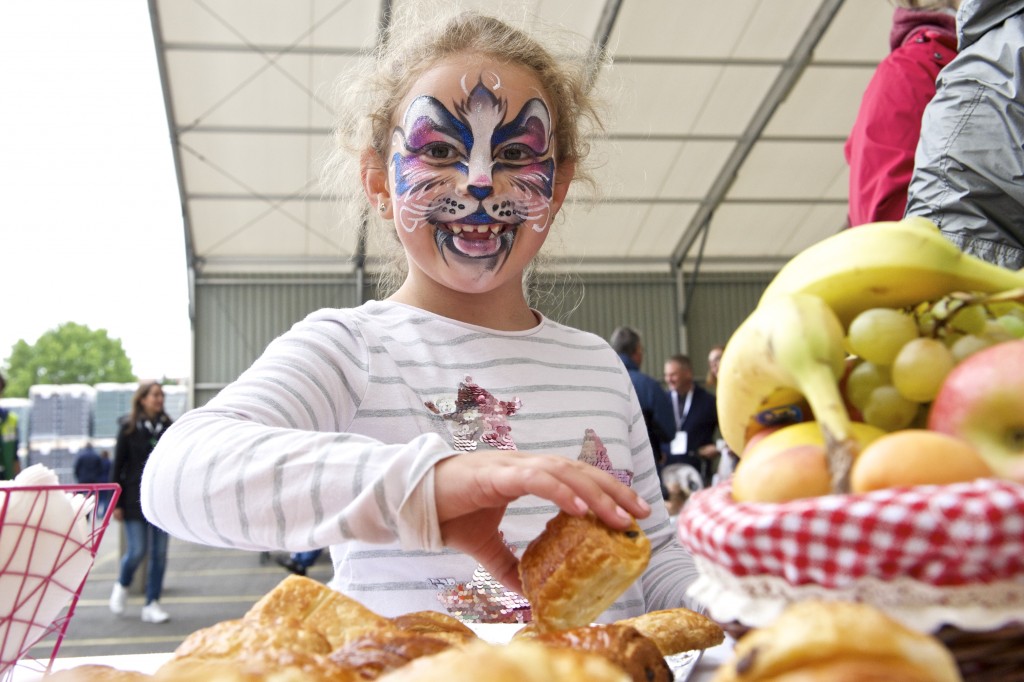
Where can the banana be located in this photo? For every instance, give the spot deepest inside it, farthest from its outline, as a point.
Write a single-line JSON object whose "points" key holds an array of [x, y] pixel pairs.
{"points": [[788, 350], [888, 264]]}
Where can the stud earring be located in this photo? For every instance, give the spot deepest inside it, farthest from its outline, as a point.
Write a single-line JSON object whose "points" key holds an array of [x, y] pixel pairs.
{"points": [[383, 207]]}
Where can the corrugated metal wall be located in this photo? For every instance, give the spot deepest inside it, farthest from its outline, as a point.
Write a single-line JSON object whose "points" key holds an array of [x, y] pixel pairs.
{"points": [[237, 316]]}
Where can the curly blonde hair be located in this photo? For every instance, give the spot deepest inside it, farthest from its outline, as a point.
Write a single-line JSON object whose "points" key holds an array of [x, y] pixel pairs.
{"points": [[418, 38]]}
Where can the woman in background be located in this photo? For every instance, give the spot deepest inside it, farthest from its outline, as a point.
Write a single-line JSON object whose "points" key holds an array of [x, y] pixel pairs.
{"points": [[139, 434]]}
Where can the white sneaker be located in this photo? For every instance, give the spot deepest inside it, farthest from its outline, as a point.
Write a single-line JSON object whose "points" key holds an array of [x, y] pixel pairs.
{"points": [[117, 598], [152, 613]]}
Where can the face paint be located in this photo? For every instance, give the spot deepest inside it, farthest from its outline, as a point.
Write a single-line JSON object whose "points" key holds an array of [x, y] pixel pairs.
{"points": [[471, 173]]}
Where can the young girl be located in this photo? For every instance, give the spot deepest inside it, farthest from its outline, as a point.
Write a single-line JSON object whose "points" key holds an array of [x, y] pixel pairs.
{"points": [[430, 432]]}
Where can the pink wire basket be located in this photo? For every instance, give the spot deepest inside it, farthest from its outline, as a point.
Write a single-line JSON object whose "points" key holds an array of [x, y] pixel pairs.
{"points": [[43, 562]]}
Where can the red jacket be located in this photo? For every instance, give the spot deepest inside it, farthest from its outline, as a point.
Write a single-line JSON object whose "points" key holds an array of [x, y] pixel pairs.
{"points": [[880, 149]]}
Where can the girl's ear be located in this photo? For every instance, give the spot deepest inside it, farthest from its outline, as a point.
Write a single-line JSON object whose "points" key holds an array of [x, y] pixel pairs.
{"points": [[563, 178], [374, 175]]}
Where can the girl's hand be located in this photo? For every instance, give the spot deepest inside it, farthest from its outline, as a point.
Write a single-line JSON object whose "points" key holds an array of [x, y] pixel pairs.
{"points": [[473, 489]]}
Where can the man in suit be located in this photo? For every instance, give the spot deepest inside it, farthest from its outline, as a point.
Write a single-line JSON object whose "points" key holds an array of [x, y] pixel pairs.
{"points": [[696, 420]]}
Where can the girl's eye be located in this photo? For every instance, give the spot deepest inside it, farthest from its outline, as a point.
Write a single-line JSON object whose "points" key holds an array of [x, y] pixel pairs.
{"points": [[516, 153], [440, 151]]}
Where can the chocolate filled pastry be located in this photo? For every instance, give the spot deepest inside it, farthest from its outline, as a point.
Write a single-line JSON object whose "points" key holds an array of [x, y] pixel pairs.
{"points": [[677, 630], [818, 641], [371, 656], [577, 567], [319, 608], [435, 623], [520, 661], [620, 644]]}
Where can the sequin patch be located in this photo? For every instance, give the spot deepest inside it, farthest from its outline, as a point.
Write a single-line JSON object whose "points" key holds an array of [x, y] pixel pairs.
{"points": [[482, 600], [595, 453], [475, 416]]}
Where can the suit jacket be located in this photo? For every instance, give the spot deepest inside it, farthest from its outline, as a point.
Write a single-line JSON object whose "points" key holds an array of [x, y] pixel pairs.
{"points": [[701, 422]]}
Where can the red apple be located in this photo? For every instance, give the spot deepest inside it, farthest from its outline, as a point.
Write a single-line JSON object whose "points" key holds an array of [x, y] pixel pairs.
{"points": [[982, 401]]}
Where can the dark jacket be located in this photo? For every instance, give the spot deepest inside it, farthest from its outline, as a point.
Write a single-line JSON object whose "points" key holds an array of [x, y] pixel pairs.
{"points": [[130, 456], [700, 424], [656, 408], [90, 467]]}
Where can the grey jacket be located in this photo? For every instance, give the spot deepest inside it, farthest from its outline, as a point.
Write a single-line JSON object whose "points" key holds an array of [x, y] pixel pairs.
{"points": [[969, 167]]}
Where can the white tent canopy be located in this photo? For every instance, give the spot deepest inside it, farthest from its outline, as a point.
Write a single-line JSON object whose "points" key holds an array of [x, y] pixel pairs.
{"points": [[729, 116]]}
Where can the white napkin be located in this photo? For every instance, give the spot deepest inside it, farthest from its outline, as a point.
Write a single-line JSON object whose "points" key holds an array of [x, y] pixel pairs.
{"points": [[44, 557]]}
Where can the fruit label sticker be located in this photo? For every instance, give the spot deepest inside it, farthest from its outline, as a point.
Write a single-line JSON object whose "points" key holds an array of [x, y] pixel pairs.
{"points": [[781, 414]]}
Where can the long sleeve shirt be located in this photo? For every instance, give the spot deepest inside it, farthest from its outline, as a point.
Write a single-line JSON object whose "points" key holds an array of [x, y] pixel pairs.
{"points": [[330, 437]]}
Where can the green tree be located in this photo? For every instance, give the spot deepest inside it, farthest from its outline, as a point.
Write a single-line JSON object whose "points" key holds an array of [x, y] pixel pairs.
{"points": [[70, 354]]}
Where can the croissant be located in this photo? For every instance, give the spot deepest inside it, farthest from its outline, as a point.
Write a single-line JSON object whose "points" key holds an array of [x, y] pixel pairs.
{"points": [[371, 656], [677, 630], [436, 624], [520, 661], [817, 641], [320, 609], [577, 567], [620, 644]]}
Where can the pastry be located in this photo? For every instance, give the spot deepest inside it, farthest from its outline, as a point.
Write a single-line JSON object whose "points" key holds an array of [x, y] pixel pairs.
{"points": [[435, 623], [97, 673], [520, 661], [837, 641], [319, 608], [370, 656], [258, 647], [577, 567], [677, 630], [620, 644]]}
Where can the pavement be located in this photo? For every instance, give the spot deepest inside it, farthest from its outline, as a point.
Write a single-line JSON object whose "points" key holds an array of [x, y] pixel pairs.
{"points": [[203, 585]]}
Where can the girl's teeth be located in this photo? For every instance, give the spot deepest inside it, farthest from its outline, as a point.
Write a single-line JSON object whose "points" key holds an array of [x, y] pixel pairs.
{"points": [[455, 229], [495, 229]]}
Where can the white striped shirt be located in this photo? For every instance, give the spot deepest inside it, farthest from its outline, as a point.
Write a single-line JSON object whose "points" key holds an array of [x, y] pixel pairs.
{"points": [[323, 441]]}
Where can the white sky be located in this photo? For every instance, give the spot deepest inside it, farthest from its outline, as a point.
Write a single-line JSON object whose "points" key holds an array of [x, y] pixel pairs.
{"points": [[90, 222]]}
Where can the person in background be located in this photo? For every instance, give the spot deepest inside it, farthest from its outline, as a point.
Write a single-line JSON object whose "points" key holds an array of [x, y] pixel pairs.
{"points": [[299, 562], [696, 419], [969, 167], [92, 467], [714, 360], [10, 465], [429, 437], [654, 404], [880, 148], [139, 434]]}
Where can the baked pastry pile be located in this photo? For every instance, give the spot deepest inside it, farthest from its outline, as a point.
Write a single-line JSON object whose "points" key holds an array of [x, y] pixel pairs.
{"points": [[303, 631], [822, 641]]}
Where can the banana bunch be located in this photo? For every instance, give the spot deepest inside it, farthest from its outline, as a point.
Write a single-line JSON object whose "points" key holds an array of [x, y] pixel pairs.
{"points": [[788, 356]]}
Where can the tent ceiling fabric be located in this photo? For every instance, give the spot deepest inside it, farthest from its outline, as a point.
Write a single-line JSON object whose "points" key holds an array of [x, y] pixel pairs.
{"points": [[730, 115]]}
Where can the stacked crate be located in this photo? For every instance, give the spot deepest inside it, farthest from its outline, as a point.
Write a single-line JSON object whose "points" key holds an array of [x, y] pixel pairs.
{"points": [[60, 425]]}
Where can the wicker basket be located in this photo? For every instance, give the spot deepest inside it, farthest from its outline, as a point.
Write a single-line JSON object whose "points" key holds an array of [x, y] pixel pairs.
{"points": [[47, 548]]}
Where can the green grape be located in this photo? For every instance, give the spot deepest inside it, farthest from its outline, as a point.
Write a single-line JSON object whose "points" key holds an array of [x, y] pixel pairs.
{"points": [[969, 319], [1011, 324], [995, 332], [926, 323], [920, 368], [968, 345], [877, 334], [862, 380], [888, 410]]}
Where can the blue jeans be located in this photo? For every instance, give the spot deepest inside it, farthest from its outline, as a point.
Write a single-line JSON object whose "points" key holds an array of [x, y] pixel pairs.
{"points": [[141, 535], [306, 559]]}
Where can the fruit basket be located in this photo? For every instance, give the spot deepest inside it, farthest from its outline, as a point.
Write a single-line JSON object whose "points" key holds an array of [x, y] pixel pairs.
{"points": [[49, 536], [946, 560]]}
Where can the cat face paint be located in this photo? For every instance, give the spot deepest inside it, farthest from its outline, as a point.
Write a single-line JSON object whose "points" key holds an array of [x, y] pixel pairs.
{"points": [[475, 169]]}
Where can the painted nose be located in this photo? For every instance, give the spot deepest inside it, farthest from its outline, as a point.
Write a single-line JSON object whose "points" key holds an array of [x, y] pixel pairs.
{"points": [[480, 191]]}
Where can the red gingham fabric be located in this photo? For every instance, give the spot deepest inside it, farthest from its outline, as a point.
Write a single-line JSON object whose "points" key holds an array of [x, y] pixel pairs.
{"points": [[964, 533]]}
